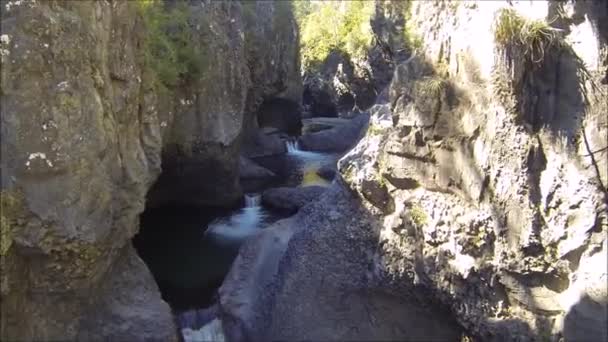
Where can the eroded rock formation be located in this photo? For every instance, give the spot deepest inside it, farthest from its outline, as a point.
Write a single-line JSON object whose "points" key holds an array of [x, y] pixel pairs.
{"points": [[84, 135], [499, 211], [466, 195]]}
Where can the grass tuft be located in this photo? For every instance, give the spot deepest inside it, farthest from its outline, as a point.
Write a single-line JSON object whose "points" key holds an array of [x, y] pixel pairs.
{"points": [[532, 37]]}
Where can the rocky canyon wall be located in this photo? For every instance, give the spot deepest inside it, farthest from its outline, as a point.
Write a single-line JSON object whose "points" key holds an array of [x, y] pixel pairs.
{"points": [[487, 169], [85, 134]]}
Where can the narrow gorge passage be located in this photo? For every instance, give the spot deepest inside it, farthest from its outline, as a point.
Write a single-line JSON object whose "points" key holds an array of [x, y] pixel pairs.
{"points": [[189, 250], [298, 170]]}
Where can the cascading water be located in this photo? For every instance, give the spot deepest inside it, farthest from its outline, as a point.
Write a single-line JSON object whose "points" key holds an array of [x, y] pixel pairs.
{"points": [[237, 227], [293, 149], [292, 146], [252, 200]]}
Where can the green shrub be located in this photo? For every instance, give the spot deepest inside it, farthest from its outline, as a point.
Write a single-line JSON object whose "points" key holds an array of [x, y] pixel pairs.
{"points": [[329, 26], [168, 43]]}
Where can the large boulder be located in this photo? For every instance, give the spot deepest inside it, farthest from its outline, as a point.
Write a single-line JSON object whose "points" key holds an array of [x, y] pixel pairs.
{"points": [[81, 142], [130, 306], [289, 200], [337, 139], [250, 169], [328, 171], [261, 144]]}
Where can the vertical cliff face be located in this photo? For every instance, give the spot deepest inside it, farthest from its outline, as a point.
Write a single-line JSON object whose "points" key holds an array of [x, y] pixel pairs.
{"points": [[249, 52], [487, 167], [83, 135]]}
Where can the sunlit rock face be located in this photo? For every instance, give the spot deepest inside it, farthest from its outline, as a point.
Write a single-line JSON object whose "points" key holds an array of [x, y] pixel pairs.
{"points": [[498, 211]]}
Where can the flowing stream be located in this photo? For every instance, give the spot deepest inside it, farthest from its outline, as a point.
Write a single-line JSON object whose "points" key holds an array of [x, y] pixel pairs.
{"points": [[190, 250]]}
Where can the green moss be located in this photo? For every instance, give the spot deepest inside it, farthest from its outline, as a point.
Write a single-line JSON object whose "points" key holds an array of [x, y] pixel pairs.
{"points": [[12, 210], [418, 215], [169, 47], [374, 129], [68, 102]]}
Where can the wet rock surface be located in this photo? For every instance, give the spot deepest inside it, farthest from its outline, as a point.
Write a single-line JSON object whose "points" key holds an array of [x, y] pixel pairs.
{"points": [[338, 139], [249, 169], [289, 200]]}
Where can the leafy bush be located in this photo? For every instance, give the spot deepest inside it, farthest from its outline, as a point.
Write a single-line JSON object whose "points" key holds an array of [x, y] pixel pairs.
{"points": [[329, 26], [168, 46]]}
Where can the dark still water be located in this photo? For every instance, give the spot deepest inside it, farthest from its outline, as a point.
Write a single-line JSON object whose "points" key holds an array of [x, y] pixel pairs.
{"points": [[187, 264], [189, 250]]}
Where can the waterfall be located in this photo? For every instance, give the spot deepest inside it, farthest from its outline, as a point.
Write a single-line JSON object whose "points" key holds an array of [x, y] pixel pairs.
{"points": [[292, 146], [252, 200], [241, 224]]}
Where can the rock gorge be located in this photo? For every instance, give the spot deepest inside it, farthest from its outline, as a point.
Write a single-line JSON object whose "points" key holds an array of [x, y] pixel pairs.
{"points": [[469, 201]]}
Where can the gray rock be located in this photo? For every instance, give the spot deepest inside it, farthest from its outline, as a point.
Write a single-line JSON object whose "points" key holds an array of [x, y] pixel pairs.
{"points": [[129, 306], [327, 171], [249, 169], [261, 145], [245, 288], [291, 199], [78, 171], [337, 139], [308, 278], [463, 196]]}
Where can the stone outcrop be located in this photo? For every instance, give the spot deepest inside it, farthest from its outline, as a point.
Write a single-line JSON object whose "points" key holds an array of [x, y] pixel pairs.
{"points": [[337, 139], [80, 150], [289, 200], [216, 114], [84, 131], [497, 210]]}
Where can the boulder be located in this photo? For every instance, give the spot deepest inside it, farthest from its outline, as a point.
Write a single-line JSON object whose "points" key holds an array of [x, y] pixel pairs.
{"points": [[337, 139], [250, 169], [130, 306], [261, 145], [290, 200], [328, 171], [245, 288]]}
